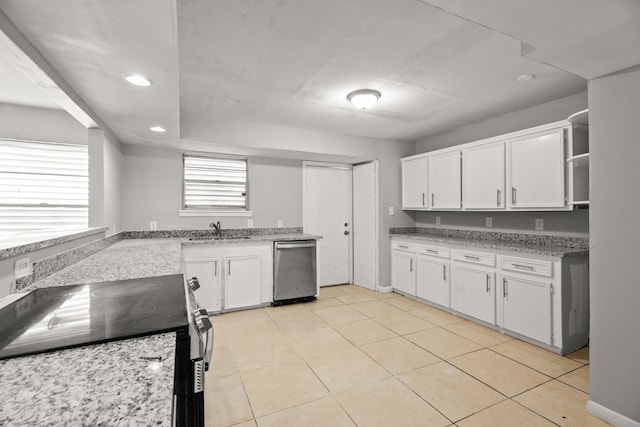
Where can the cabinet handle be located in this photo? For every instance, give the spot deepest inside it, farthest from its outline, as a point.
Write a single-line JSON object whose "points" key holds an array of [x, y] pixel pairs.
{"points": [[215, 269], [411, 265], [431, 251], [403, 246], [229, 267], [422, 199], [499, 193], [444, 272], [504, 288], [433, 200], [526, 267], [513, 195], [475, 258], [488, 283]]}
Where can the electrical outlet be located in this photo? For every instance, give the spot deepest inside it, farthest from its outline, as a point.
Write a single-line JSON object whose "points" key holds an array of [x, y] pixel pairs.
{"points": [[539, 224], [250, 223], [22, 267], [392, 211], [437, 220], [280, 224], [489, 221], [113, 229], [153, 225]]}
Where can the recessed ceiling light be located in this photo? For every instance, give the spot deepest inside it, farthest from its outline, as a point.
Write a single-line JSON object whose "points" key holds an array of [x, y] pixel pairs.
{"points": [[525, 77], [364, 98], [157, 128], [138, 80]]}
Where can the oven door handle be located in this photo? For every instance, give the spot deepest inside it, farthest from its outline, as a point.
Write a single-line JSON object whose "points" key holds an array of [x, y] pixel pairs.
{"points": [[208, 352]]}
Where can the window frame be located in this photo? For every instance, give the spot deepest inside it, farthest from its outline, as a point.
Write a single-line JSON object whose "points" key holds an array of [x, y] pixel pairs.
{"points": [[216, 210], [59, 227]]}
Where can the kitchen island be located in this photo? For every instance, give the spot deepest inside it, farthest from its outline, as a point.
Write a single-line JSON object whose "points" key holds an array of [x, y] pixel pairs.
{"points": [[113, 383]]}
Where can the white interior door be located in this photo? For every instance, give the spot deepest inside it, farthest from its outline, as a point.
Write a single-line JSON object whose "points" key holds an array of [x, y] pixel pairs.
{"points": [[327, 212], [365, 225]]}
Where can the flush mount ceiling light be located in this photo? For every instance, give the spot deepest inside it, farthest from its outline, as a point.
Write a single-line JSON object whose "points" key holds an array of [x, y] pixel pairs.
{"points": [[364, 98], [525, 77], [158, 129], [138, 80]]}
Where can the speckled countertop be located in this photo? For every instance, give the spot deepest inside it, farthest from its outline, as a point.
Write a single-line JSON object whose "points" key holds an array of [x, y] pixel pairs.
{"points": [[536, 245], [104, 384], [98, 385]]}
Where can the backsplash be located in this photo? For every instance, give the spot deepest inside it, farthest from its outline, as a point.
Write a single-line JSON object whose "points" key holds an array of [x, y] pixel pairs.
{"points": [[530, 239]]}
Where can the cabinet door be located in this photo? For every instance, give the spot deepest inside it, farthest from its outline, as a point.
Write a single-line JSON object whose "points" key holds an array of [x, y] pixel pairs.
{"points": [[403, 272], [483, 176], [474, 293], [242, 281], [537, 165], [526, 308], [444, 181], [432, 281], [414, 184], [208, 272]]}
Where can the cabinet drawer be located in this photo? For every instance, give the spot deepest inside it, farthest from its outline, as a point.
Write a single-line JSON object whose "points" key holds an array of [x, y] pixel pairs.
{"points": [[436, 251], [480, 258], [403, 246], [527, 265]]}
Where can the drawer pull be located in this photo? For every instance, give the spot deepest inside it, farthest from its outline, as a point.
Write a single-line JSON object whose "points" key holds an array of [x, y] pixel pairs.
{"points": [[403, 247], [475, 258], [431, 251], [525, 267]]}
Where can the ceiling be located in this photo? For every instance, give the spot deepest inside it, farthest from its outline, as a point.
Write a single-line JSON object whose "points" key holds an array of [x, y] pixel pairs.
{"points": [[230, 71]]}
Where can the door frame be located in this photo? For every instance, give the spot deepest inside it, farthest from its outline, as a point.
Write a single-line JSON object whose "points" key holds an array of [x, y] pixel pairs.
{"points": [[345, 166], [376, 220]]}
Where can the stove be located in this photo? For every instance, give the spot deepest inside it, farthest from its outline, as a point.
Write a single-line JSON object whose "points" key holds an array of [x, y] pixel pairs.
{"points": [[48, 319]]}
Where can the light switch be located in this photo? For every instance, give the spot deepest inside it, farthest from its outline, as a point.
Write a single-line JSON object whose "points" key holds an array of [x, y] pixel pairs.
{"points": [[489, 221], [539, 224], [250, 223], [22, 267], [437, 220], [153, 225], [280, 224], [392, 211]]}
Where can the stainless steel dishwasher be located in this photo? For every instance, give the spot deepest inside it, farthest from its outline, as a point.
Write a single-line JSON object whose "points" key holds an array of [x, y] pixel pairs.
{"points": [[294, 271]]}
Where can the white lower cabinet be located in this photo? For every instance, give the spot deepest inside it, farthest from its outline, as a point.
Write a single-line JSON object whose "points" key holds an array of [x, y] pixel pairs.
{"points": [[541, 299], [525, 307], [432, 281], [231, 276], [242, 281], [473, 292], [208, 272]]}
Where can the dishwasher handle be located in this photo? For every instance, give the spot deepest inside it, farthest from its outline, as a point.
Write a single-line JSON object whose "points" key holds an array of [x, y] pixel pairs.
{"points": [[295, 245]]}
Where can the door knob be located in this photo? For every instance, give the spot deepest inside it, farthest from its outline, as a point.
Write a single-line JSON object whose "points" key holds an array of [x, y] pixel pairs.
{"points": [[346, 232]]}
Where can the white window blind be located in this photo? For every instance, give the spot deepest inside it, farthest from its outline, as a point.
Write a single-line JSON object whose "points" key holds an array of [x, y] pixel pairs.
{"points": [[43, 187], [214, 183]]}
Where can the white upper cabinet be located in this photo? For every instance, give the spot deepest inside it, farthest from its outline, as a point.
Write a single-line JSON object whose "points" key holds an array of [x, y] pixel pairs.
{"points": [[444, 181], [483, 176], [536, 170], [414, 183]]}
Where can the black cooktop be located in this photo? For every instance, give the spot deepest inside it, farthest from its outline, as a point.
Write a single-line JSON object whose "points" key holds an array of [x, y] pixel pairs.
{"points": [[59, 317]]}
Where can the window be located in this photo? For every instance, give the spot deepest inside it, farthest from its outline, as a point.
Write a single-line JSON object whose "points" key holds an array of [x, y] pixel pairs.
{"points": [[215, 183], [43, 186]]}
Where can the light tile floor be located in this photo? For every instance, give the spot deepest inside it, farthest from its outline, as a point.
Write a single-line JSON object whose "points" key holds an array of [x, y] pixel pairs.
{"points": [[361, 358]]}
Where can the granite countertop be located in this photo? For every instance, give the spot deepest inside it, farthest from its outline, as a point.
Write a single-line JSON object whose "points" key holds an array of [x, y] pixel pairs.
{"points": [[102, 384], [10, 248], [551, 249], [251, 239], [98, 385]]}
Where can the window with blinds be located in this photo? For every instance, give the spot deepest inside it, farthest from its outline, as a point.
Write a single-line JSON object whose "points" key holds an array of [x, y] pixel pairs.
{"points": [[215, 183], [43, 187]]}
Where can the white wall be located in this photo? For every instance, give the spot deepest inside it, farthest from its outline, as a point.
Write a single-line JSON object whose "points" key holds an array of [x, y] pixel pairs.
{"points": [[40, 124], [576, 222], [614, 106], [390, 195], [153, 192]]}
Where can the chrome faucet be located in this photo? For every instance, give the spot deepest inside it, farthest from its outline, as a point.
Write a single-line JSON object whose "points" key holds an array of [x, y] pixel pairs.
{"points": [[217, 227]]}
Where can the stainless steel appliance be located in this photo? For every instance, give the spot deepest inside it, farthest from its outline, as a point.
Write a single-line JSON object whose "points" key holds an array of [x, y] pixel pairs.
{"points": [[49, 319], [294, 271]]}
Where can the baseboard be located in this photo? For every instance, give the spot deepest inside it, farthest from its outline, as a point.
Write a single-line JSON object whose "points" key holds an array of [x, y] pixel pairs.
{"points": [[385, 289], [610, 416]]}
